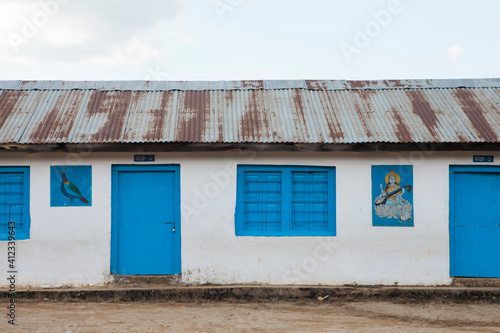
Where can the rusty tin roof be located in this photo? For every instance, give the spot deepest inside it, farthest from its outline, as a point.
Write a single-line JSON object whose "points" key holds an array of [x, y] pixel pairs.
{"points": [[253, 111]]}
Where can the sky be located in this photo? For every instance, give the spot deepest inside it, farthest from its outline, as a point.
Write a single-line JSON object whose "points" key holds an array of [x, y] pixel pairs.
{"points": [[248, 39]]}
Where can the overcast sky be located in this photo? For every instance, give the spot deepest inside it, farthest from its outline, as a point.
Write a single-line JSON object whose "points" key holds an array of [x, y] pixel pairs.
{"points": [[248, 39]]}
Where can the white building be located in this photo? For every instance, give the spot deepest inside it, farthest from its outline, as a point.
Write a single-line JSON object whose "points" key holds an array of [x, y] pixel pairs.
{"points": [[265, 182]]}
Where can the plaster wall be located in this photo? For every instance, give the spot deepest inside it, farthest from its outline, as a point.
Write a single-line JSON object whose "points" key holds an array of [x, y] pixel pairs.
{"points": [[70, 246]]}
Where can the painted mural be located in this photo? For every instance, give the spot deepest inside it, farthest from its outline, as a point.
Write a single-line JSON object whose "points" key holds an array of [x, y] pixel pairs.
{"points": [[392, 195], [70, 185]]}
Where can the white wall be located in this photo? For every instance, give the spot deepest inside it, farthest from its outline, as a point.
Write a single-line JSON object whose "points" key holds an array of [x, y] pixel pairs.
{"points": [[71, 245]]}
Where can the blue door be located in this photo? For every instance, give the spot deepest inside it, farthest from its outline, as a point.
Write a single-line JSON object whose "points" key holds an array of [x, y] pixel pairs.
{"points": [[475, 221], [145, 238]]}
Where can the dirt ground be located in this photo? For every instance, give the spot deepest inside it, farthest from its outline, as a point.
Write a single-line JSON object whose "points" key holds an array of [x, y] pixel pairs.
{"points": [[276, 316]]}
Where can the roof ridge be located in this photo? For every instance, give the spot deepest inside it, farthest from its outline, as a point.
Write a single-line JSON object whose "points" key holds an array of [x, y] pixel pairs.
{"points": [[338, 84]]}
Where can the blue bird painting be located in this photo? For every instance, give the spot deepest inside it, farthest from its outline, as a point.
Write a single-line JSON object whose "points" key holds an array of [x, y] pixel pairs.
{"points": [[70, 190]]}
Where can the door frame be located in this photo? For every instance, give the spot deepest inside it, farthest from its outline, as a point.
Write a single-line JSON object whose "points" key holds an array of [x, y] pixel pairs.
{"points": [[458, 168], [115, 169]]}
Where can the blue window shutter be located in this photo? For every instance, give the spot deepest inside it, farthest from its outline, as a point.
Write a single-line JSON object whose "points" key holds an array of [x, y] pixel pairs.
{"points": [[275, 200], [309, 202], [262, 204], [4, 208], [14, 201]]}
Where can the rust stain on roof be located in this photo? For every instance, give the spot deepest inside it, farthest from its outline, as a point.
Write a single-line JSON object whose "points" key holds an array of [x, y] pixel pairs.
{"points": [[192, 118], [367, 84], [25, 83], [156, 125], [299, 116], [358, 84], [474, 111], [365, 96], [155, 129], [220, 126], [8, 101], [148, 116], [461, 137], [331, 115], [59, 121], [262, 110], [258, 84], [316, 85], [335, 128], [112, 106], [117, 110], [139, 96], [396, 83], [130, 132], [228, 98], [251, 115], [422, 108], [248, 125], [43, 129], [402, 131]]}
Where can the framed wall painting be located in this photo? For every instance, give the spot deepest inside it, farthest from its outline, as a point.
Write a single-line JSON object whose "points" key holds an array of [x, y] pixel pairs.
{"points": [[392, 195], [70, 185]]}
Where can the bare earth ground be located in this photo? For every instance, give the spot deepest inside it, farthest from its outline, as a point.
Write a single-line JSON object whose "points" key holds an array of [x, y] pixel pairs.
{"points": [[272, 316]]}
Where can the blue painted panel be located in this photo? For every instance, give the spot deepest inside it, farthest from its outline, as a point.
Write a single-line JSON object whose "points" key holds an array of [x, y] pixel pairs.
{"points": [[392, 195], [477, 252], [262, 206], [309, 201], [14, 201], [285, 201], [477, 195], [70, 185], [146, 209], [475, 221]]}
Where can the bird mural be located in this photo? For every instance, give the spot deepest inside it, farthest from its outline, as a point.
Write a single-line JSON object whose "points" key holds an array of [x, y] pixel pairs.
{"points": [[70, 190]]}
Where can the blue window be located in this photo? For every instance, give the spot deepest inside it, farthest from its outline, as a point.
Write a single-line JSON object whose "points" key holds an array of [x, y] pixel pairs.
{"points": [[14, 202], [285, 201]]}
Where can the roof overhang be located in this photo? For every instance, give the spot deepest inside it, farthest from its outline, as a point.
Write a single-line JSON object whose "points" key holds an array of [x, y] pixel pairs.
{"points": [[221, 147]]}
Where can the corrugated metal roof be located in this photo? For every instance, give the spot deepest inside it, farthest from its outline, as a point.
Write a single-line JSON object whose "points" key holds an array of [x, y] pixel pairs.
{"points": [[302, 111]]}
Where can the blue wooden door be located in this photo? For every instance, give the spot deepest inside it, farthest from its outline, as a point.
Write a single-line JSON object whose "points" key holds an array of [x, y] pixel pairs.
{"points": [[146, 220], [475, 221]]}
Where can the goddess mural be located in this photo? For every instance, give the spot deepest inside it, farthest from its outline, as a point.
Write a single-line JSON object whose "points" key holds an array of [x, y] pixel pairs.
{"points": [[390, 203]]}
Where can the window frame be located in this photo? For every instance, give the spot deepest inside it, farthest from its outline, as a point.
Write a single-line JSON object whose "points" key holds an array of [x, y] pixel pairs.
{"points": [[24, 232], [286, 190]]}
